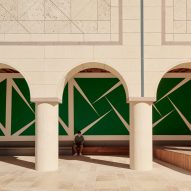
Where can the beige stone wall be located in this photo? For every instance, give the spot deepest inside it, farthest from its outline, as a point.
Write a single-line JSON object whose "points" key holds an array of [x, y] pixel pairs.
{"points": [[167, 39], [47, 66], [108, 37]]}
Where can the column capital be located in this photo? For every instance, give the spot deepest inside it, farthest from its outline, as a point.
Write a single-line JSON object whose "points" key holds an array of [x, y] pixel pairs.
{"points": [[141, 99], [46, 100]]}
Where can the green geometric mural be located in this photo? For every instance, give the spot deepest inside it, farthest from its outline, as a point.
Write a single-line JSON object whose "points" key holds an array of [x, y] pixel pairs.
{"points": [[29, 131], [100, 107], [22, 114], [172, 110], [17, 115]]}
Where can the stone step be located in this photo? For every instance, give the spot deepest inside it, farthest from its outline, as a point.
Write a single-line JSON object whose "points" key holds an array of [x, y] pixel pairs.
{"points": [[106, 150], [88, 150]]}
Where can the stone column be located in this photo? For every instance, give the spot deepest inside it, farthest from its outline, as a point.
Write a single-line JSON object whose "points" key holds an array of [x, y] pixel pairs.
{"points": [[46, 140], [141, 151]]}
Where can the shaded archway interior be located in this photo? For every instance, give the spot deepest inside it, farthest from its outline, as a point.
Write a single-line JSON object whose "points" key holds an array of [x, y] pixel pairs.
{"points": [[17, 113], [171, 111], [180, 70], [8, 70], [100, 107]]}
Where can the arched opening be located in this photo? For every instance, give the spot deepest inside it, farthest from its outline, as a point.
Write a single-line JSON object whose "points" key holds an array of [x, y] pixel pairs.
{"points": [[171, 111], [17, 115], [171, 116], [94, 102]]}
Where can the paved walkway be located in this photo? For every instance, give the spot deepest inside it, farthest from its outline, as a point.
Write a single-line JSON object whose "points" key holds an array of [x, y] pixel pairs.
{"points": [[90, 173]]}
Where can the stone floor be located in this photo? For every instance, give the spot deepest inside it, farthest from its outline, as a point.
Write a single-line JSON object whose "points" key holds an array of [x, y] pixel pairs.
{"points": [[90, 173]]}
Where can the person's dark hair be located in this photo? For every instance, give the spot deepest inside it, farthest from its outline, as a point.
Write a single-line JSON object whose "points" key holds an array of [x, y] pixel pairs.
{"points": [[79, 132]]}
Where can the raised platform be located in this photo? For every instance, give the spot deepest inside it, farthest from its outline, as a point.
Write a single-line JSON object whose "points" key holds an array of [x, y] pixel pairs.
{"points": [[178, 156], [67, 150], [106, 150]]}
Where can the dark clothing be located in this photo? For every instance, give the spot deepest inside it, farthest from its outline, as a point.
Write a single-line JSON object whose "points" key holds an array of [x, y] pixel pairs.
{"points": [[79, 140], [78, 144]]}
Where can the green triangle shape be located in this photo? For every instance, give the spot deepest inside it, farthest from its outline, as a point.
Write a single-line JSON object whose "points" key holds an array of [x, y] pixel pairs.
{"points": [[62, 130], [94, 88], [30, 131], [166, 84], [181, 98], [118, 99], [109, 125], [83, 112], [63, 108], [3, 102], [172, 125], [23, 87], [21, 113]]}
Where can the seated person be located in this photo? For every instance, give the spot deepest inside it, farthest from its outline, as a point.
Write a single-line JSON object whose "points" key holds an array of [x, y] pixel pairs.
{"points": [[78, 143]]}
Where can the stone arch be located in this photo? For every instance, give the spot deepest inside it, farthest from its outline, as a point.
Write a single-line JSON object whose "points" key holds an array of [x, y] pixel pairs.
{"points": [[72, 72], [17, 69], [163, 73], [172, 82], [19, 112]]}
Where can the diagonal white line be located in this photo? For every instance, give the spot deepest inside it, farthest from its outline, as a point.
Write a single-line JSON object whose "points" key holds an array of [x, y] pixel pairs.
{"points": [[23, 128], [84, 96], [63, 125], [119, 115], [181, 115], [110, 90], [157, 110], [157, 122], [175, 88], [2, 129], [93, 123], [21, 95]]}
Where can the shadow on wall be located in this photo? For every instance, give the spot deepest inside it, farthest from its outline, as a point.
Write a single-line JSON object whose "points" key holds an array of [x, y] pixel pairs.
{"points": [[97, 161], [16, 161]]}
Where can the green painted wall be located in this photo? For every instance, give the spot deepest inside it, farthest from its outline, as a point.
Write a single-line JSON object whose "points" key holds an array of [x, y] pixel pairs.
{"points": [[172, 110], [17, 113], [100, 108]]}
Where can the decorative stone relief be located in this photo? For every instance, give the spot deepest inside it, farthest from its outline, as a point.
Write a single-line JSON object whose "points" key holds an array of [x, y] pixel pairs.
{"points": [[176, 24], [60, 21]]}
